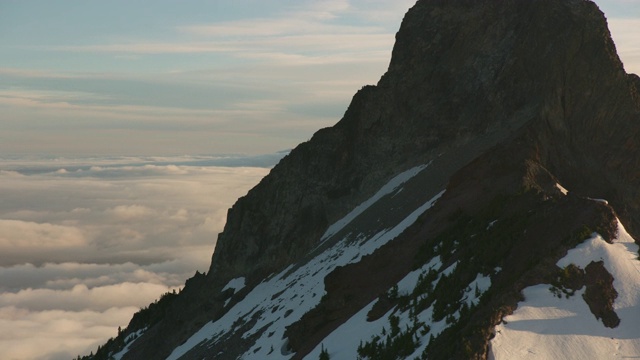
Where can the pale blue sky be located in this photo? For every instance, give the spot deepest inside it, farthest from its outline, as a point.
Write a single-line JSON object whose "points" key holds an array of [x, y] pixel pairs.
{"points": [[192, 77]]}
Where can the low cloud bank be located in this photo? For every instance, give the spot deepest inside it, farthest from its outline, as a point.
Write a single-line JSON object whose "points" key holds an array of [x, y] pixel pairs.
{"points": [[86, 243]]}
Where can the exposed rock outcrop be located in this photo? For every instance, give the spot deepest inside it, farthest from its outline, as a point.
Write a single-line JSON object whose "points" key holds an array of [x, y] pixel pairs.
{"points": [[463, 76], [600, 294]]}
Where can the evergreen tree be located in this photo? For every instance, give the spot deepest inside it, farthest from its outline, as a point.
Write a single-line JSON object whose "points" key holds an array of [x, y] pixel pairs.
{"points": [[324, 354]]}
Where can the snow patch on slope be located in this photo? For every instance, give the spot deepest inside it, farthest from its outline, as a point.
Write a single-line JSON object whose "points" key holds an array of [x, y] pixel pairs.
{"points": [[129, 340], [546, 327], [476, 288], [236, 284], [284, 298], [389, 188]]}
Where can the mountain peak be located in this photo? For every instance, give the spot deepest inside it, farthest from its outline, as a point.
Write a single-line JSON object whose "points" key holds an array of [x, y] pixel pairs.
{"points": [[437, 199]]}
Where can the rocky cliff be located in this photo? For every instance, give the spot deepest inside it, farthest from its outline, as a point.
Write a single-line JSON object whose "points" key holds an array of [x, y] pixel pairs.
{"points": [[496, 102]]}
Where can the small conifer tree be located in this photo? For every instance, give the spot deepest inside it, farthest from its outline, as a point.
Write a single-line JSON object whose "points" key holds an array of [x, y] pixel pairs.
{"points": [[324, 354]]}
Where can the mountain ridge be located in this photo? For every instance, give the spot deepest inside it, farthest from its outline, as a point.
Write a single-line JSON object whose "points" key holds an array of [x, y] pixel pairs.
{"points": [[499, 102]]}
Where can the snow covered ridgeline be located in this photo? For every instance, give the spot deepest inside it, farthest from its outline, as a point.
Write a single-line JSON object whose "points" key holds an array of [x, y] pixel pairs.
{"points": [[434, 307], [443, 313], [548, 326]]}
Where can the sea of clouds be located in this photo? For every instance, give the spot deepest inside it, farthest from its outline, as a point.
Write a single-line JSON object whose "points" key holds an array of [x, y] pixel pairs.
{"points": [[85, 243]]}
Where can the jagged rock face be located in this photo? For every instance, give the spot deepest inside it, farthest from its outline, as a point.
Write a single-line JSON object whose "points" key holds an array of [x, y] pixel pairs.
{"points": [[497, 96], [462, 72]]}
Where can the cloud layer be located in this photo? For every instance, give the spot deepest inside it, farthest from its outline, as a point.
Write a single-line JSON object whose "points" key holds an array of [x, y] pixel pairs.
{"points": [[86, 243]]}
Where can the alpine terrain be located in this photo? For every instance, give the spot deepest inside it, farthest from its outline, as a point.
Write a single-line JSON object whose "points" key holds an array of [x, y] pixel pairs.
{"points": [[479, 202]]}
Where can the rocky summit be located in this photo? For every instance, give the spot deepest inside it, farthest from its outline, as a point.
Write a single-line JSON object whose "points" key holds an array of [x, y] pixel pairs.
{"points": [[456, 211]]}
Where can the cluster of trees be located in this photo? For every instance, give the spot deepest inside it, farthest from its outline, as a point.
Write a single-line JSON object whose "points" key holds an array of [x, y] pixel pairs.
{"points": [[467, 238]]}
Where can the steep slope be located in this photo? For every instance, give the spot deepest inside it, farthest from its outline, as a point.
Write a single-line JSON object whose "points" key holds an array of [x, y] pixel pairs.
{"points": [[493, 102]]}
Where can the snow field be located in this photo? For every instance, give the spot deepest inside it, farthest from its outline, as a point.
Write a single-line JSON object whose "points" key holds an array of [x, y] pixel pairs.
{"points": [[546, 327]]}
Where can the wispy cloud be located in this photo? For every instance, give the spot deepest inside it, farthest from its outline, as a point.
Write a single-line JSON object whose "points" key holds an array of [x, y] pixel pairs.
{"points": [[35, 73], [50, 96], [320, 27], [335, 46], [72, 105], [201, 108], [137, 48], [256, 84], [264, 28]]}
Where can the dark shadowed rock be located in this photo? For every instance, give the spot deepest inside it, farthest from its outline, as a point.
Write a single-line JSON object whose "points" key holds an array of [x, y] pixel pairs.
{"points": [[503, 99], [600, 294], [463, 76]]}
